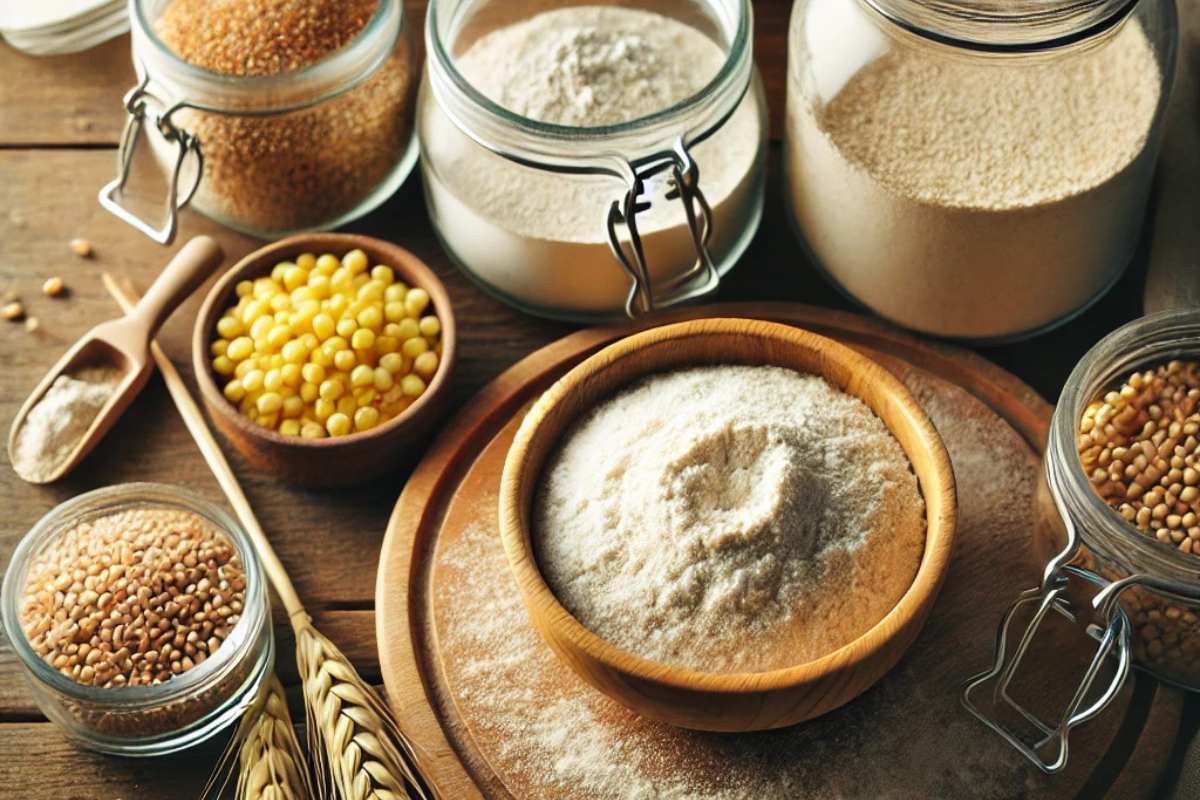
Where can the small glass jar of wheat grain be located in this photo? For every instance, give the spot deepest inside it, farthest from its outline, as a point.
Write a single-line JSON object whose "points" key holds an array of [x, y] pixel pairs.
{"points": [[139, 613], [1122, 469], [269, 116]]}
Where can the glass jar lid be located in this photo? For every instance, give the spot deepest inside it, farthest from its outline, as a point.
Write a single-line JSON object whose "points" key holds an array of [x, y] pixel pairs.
{"points": [[1006, 26]]}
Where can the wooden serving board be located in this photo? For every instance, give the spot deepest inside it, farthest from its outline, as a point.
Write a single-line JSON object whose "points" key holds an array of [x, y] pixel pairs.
{"points": [[496, 715]]}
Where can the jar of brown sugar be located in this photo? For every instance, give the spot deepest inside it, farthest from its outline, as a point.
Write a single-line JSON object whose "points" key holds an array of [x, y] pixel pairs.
{"points": [[1117, 528], [139, 615], [269, 116]]}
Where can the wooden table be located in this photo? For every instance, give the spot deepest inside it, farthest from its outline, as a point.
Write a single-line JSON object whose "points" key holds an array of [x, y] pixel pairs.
{"points": [[60, 119]]}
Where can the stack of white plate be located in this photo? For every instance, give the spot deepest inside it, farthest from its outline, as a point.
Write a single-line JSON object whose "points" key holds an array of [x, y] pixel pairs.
{"points": [[51, 27]]}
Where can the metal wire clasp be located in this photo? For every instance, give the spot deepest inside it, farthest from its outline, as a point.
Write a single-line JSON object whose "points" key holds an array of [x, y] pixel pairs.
{"points": [[702, 278], [186, 144]]}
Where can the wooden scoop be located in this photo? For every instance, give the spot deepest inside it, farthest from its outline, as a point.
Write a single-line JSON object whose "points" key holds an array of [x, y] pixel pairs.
{"points": [[123, 345]]}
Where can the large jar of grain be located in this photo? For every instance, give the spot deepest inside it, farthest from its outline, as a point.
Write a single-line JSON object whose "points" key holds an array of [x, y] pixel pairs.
{"points": [[592, 162], [968, 173], [1117, 533], [269, 116]]}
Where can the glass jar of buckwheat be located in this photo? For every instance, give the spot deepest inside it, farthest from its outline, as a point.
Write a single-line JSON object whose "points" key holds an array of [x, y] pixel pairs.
{"points": [[140, 616]]}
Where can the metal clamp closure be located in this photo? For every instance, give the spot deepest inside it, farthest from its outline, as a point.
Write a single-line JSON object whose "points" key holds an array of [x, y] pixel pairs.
{"points": [[186, 144], [702, 278]]}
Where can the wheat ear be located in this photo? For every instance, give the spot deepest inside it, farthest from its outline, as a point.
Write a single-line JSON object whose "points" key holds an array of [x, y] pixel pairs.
{"points": [[360, 751], [271, 759], [363, 757]]}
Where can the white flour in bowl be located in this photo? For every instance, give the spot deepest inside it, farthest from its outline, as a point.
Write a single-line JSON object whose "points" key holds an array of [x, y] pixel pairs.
{"points": [[729, 518], [974, 199], [540, 237]]}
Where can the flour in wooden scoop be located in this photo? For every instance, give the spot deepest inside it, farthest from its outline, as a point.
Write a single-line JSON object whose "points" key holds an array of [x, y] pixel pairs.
{"points": [[729, 518]]}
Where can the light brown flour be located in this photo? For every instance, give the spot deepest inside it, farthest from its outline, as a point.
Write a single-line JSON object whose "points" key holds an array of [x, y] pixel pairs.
{"points": [[729, 518]]}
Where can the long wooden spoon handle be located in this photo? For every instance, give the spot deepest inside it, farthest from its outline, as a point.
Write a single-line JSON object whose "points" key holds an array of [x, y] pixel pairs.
{"points": [[194, 262], [194, 419]]}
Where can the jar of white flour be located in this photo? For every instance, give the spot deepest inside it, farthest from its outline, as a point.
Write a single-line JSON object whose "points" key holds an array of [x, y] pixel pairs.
{"points": [[970, 172], [592, 161]]}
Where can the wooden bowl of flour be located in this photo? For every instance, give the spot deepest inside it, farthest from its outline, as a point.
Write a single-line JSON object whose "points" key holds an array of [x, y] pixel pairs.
{"points": [[727, 701]]}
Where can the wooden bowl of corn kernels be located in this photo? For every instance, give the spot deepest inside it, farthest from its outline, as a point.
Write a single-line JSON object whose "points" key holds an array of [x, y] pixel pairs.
{"points": [[325, 358]]}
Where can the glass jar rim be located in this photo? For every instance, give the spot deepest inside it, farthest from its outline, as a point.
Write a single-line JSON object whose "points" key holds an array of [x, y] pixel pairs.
{"points": [[486, 116], [109, 499], [328, 77], [1141, 343], [1006, 26]]}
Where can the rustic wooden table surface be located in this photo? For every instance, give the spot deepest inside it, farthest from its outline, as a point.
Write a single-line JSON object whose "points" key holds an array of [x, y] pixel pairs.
{"points": [[60, 119]]}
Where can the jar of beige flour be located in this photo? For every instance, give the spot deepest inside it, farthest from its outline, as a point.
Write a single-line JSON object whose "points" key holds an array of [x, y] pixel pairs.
{"points": [[592, 161], [975, 174]]}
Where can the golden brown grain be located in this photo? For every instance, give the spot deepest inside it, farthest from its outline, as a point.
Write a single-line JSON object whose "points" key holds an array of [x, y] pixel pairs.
{"points": [[13, 311], [81, 248], [53, 287]]}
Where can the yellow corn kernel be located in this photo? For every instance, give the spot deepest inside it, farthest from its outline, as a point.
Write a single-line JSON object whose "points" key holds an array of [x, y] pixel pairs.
{"points": [[366, 418], [338, 424], [331, 389], [310, 341], [269, 403], [313, 373], [293, 407], [414, 347], [229, 327], [277, 272], [370, 317], [264, 287], [309, 392], [291, 375], [253, 310], [383, 379], [362, 376], [393, 363], [220, 347], [346, 328], [394, 311], [223, 365], [306, 261], [409, 329], [412, 385], [272, 380], [395, 292], [261, 327], [346, 404], [234, 391], [327, 263], [355, 262], [322, 356], [280, 302], [318, 285], [416, 301], [311, 430], [268, 420], [323, 409], [294, 277], [345, 360], [338, 305], [365, 395], [363, 339], [383, 274], [294, 352], [430, 327], [274, 361], [386, 344], [240, 348], [370, 292], [341, 280], [323, 326], [245, 366], [278, 337], [426, 364], [244, 288], [290, 427]]}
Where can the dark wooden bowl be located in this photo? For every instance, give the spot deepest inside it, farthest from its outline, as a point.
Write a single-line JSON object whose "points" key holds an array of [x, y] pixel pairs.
{"points": [[340, 460]]}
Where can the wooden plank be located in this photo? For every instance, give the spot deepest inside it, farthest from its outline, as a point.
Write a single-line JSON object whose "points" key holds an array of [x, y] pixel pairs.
{"points": [[76, 99]]}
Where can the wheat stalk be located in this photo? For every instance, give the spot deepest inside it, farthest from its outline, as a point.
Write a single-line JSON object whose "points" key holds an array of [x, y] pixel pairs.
{"points": [[358, 748], [363, 756], [272, 762]]}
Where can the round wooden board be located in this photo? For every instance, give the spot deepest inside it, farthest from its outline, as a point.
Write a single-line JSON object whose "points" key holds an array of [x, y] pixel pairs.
{"points": [[484, 699]]}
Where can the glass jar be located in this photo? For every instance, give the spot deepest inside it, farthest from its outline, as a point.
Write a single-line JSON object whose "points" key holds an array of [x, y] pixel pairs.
{"points": [[268, 155], [975, 172], [593, 223], [1140, 598], [183, 710]]}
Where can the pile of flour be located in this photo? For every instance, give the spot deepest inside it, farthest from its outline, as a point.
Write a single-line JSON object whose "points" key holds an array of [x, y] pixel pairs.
{"points": [[710, 517], [973, 198], [540, 237]]}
